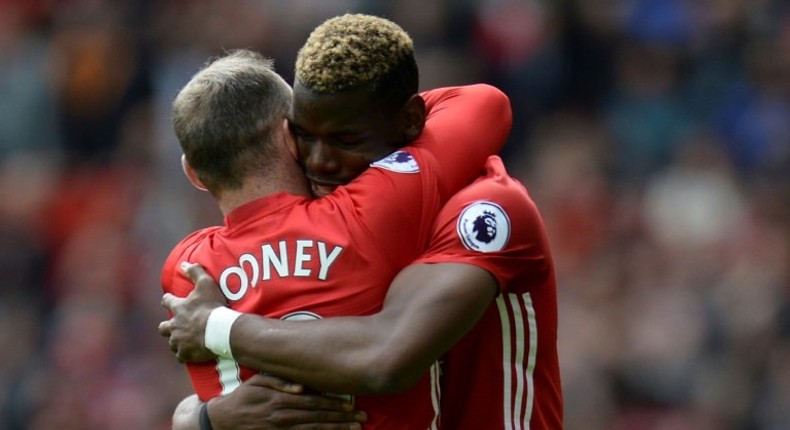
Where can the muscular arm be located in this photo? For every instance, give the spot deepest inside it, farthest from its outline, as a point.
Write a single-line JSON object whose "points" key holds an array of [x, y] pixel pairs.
{"points": [[428, 308], [465, 125]]}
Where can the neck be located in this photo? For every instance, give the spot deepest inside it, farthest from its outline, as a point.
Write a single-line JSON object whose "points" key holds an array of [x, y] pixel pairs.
{"points": [[288, 179]]}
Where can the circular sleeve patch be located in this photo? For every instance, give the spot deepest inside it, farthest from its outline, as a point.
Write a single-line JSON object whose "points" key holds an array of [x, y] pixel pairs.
{"points": [[484, 227]]}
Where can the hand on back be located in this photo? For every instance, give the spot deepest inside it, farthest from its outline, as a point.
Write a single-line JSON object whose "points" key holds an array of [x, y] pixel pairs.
{"points": [[186, 328], [265, 402]]}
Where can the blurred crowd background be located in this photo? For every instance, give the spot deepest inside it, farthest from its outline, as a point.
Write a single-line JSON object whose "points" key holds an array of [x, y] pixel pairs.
{"points": [[653, 134]]}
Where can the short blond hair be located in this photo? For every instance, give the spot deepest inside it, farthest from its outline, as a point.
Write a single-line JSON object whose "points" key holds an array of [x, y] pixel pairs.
{"points": [[353, 50], [226, 116]]}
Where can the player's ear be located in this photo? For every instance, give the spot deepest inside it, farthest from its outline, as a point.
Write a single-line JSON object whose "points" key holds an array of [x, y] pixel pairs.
{"points": [[290, 141], [413, 117], [191, 175]]}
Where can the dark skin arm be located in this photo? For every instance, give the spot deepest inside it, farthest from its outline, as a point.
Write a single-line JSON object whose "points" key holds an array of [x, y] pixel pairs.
{"points": [[427, 309], [265, 402]]}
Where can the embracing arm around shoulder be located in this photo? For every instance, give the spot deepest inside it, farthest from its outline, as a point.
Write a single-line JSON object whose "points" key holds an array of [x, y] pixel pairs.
{"points": [[465, 125], [428, 308]]}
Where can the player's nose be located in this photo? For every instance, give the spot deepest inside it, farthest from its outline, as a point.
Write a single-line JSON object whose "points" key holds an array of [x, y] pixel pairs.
{"points": [[321, 159]]}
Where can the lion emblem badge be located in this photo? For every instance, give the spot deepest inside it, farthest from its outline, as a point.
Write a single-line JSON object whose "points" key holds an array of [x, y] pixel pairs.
{"points": [[484, 227]]}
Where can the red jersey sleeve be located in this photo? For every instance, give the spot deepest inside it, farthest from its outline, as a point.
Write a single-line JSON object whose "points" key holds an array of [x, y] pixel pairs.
{"points": [[495, 225], [173, 281], [390, 209], [465, 125], [396, 201], [203, 376]]}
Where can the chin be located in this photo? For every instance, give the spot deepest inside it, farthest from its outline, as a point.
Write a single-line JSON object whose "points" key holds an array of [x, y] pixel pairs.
{"points": [[322, 190]]}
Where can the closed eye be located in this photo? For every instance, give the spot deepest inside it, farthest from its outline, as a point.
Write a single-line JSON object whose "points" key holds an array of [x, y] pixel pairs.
{"points": [[347, 141], [299, 133]]}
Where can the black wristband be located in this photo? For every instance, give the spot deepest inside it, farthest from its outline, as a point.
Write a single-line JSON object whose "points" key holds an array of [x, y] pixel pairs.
{"points": [[205, 423]]}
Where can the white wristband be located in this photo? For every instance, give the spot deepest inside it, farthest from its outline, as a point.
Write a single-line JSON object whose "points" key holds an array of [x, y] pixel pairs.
{"points": [[217, 338]]}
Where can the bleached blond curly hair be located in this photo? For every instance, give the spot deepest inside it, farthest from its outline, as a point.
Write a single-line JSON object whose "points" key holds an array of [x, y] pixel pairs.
{"points": [[351, 50]]}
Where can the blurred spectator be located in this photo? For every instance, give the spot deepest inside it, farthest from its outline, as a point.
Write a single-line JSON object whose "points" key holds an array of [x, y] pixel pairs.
{"points": [[27, 99], [99, 73]]}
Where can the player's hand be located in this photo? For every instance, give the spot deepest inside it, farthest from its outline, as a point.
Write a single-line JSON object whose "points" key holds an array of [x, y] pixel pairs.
{"points": [[187, 327], [265, 402]]}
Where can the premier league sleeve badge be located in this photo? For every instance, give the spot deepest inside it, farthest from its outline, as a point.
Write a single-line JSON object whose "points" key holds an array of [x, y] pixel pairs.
{"points": [[484, 227]]}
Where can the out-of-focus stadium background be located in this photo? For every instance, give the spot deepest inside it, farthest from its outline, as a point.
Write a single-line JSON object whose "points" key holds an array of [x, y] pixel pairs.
{"points": [[653, 134]]}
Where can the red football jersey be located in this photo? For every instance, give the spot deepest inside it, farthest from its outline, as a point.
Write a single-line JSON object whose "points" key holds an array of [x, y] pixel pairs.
{"points": [[504, 374], [289, 257]]}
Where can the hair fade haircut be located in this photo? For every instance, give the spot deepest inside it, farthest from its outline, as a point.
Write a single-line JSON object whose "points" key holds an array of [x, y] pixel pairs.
{"points": [[226, 115], [355, 50]]}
